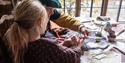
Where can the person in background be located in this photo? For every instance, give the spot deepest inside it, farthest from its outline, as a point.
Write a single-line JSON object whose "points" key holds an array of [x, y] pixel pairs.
{"points": [[58, 17], [26, 44]]}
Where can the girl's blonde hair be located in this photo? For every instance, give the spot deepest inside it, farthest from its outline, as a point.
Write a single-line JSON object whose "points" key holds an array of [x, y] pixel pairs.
{"points": [[30, 21]]}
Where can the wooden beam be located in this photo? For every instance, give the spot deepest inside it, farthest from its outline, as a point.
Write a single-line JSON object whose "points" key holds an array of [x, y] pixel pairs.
{"points": [[64, 3], [91, 8], [104, 7], [119, 10], [78, 8]]}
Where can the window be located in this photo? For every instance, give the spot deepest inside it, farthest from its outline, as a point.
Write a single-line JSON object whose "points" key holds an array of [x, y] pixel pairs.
{"points": [[70, 7], [112, 10], [122, 13], [93, 8]]}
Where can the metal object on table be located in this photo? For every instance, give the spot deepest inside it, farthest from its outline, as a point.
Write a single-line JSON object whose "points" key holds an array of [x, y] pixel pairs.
{"points": [[120, 32], [119, 50]]}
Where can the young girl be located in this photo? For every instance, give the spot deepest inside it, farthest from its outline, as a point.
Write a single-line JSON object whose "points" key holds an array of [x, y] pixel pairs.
{"points": [[25, 43]]}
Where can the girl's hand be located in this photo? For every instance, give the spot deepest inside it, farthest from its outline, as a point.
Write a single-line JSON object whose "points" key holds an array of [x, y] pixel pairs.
{"points": [[72, 41]]}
